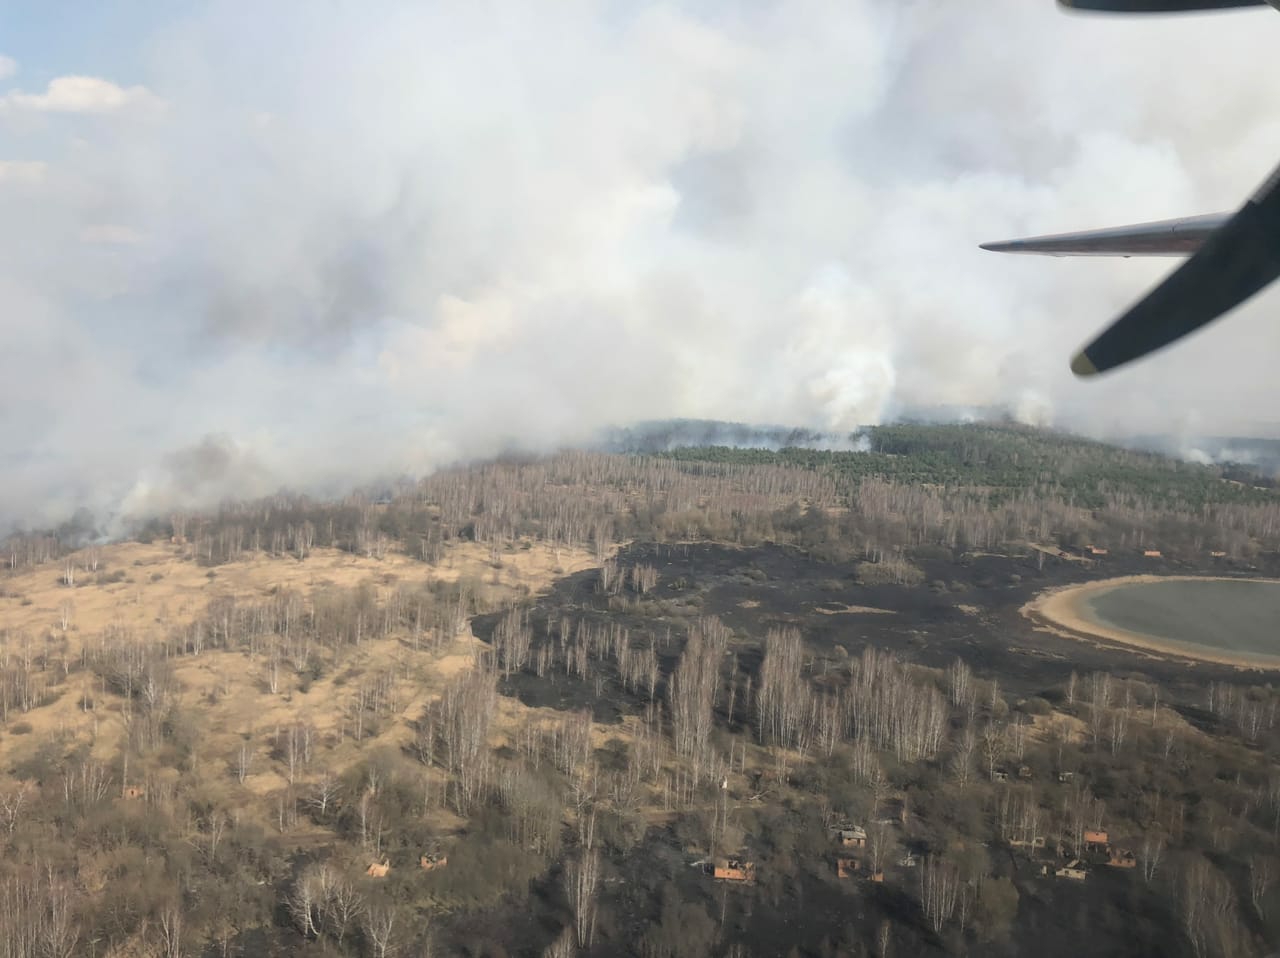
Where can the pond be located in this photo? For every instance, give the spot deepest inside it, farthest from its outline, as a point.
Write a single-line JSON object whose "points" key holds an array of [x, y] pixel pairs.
{"points": [[1238, 617]]}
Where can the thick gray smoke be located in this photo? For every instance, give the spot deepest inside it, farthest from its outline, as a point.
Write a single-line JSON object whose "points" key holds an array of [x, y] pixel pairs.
{"points": [[285, 247]]}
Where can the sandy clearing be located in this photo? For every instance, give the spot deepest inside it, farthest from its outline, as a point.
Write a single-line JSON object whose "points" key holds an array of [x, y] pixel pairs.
{"points": [[855, 610], [161, 588], [1062, 610]]}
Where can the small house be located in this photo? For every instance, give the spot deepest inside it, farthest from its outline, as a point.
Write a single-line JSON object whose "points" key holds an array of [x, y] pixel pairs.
{"points": [[1073, 869], [999, 776], [378, 869], [1065, 778], [854, 836], [1036, 841], [877, 877], [847, 867], [1095, 551], [1151, 553], [1096, 840], [1122, 858], [1218, 555], [734, 869], [1024, 772], [432, 861]]}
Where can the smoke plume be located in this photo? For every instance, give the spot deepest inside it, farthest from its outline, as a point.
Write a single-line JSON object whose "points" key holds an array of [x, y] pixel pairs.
{"points": [[267, 245]]}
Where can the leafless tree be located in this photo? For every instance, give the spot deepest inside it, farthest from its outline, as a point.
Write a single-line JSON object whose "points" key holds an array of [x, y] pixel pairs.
{"points": [[784, 700], [381, 927], [85, 783], [12, 803], [303, 904], [1149, 854], [692, 692], [462, 719], [581, 877], [1099, 701], [881, 842], [562, 946], [960, 687], [993, 746], [243, 761], [644, 578], [1261, 875], [343, 906], [1017, 735], [169, 930], [512, 640], [962, 755], [939, 888], [324, 793]]}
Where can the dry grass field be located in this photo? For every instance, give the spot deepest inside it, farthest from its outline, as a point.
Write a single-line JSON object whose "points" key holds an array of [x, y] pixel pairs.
{"points": [[146, 590]]}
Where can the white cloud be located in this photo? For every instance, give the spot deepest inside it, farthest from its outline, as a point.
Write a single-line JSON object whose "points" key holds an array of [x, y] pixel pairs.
{"points": [[110, 234], [26, 172], [8, 66], [81, 94]]}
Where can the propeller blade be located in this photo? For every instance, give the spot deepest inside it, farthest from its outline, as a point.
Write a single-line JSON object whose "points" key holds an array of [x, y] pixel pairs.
{"points": [[1235, 262]]}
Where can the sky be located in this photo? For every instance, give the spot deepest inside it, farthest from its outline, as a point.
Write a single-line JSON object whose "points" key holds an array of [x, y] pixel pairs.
{"points": [[253, 246]]}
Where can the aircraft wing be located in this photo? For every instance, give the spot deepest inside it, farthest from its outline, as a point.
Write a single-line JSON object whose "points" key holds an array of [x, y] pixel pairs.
{"points": [[1176, 237], [1233, 256], [1235, 261], [1159, 6]]}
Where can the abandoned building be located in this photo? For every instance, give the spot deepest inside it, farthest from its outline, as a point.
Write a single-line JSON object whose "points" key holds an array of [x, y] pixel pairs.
{"points": [[1065, 778], [1122, 858], [734, 869], [1024, 772], [1151, 553], [1036, 841], [1073, 869], [847, 867], [1095, 551], [852, 836], [1097, 840], [432, 861], [378, 869]]}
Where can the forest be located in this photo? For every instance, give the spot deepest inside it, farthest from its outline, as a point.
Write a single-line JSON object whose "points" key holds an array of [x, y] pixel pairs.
{"points": [[535, 706]]}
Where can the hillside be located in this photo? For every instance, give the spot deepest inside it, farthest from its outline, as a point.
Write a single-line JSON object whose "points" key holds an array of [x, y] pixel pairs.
{"points": [[520, 707]]}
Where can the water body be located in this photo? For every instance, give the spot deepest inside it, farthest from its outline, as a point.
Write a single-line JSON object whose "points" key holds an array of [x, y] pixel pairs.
{"points": [[1236, 617]]}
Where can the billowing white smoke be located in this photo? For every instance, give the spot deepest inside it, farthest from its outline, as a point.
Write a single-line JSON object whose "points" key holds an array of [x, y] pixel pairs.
{"points": [[377, 239]]}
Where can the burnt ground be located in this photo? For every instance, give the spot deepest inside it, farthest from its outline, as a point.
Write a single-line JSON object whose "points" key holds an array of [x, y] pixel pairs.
{"points": [[967, 608]]}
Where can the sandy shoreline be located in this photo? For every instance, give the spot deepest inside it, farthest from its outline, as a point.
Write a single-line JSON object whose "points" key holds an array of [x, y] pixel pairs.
{"points": [[1064, 608]]}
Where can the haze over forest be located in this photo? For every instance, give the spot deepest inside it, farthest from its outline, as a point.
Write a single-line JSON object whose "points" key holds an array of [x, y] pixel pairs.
{"points": [[247, 247]]}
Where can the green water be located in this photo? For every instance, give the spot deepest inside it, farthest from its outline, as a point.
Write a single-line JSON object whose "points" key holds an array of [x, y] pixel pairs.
{"points": [[1236, 617]]}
